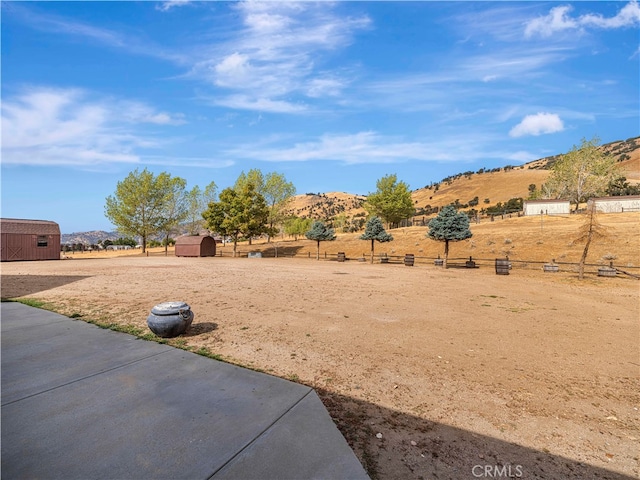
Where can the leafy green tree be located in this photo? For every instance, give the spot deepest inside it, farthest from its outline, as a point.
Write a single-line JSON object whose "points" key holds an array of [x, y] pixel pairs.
{"points": [[582, 173], [391, 201], [374, 231], [619, 187], [275, 189], [138, 206], [197, 202], [449, 226], [175, 209], [320, 233], [296, 226], [241, 212]]}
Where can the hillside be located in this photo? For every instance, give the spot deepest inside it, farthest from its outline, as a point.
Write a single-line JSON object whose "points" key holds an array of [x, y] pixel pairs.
{"points": [[489, 186], [523, 239], [88, 238]]}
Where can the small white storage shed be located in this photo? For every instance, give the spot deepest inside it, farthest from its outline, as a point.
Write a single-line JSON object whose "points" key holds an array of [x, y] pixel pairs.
{"points": [[546, 207]]}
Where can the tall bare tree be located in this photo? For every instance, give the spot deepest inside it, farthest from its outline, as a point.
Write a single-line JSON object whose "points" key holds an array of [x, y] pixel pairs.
{"points": [[591, 229]]}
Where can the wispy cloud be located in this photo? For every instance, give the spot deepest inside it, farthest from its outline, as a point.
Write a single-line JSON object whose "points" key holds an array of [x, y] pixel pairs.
{"points": [[276, 56], [538, 124], [166, 6], [49, 126], [559, 19], [369, 147], [129, 42]]}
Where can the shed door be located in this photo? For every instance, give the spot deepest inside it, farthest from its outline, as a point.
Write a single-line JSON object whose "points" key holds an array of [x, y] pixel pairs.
{"points": [[13, 247]]}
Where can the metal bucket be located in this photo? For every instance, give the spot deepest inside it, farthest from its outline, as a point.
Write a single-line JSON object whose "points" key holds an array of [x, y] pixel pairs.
{"points": [[170, 319]]}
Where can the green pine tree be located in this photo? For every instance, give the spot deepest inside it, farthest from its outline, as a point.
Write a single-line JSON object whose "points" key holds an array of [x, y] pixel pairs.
{"points": [[449, 226], [320, 233], [374, 231]]}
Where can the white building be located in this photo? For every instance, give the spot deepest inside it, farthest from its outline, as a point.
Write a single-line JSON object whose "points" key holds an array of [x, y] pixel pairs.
{"points": [[546, 207], [629, 203]]}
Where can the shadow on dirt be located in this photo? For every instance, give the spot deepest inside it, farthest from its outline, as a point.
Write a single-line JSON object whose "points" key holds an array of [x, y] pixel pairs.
{"points": [[432, 450], [14, 286], [199, 328], [268, 251]]}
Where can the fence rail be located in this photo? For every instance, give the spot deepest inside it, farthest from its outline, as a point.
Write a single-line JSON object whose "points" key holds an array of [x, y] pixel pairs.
{"points": [[452, 262]]}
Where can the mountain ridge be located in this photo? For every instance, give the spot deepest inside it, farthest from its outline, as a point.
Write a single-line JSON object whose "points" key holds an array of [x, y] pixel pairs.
{"points": [[495, 185]]}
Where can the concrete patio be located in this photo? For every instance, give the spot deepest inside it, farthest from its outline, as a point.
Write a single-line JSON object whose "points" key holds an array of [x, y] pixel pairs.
{"points": [[82, 402]]}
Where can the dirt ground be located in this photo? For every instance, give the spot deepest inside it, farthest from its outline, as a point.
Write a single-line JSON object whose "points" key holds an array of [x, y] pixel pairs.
{"points": [[429, 373]]}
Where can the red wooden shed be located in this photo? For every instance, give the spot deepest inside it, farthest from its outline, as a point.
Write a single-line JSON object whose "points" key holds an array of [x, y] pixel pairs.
{"points": [[195, 246], [29, 240]]}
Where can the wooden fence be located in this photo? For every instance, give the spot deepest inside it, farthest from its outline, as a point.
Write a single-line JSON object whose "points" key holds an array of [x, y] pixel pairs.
{"points": [[455, 262]]}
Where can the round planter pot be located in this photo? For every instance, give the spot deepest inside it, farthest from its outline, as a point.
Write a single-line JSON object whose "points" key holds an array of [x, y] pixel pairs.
{"points": [[170, 319]]}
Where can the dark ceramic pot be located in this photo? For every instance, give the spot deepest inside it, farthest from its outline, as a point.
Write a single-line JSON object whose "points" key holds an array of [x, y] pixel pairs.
{"points": [[170, 319]]}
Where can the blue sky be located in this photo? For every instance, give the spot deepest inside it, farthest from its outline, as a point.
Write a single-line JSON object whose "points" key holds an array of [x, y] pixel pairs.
{"points": [[334, 95]]}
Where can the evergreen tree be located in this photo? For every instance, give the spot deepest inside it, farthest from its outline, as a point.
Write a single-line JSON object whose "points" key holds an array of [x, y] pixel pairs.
{"points": [[275, 189], [374, 231], [320, 233], [449, 226]]}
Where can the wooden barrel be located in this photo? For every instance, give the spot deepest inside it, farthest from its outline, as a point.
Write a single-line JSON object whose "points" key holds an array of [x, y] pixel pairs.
{"points": [[607, 272], [502, 266], [409, 259], [341, 257]]}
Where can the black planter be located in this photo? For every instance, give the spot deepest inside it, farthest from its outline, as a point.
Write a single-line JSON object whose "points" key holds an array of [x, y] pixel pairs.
{"points": [[170, 319]]}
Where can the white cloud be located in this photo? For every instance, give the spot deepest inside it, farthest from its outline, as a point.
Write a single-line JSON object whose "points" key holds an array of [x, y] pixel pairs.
{"points": [[47, 126], [559, 19], [370, 147], [129, 42], [266, 105], [275, 57], [165, 6], [538, 124]]}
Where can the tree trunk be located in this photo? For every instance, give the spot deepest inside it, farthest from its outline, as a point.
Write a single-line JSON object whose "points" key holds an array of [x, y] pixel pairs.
{"points": [[446, 253], [166, 245], [235, 244], [318, 251], [144, 243], [372, 251], [584, 258]]}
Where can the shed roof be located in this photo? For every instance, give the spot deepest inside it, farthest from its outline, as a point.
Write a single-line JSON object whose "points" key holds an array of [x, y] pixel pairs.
{"points": [[191, 239], [546, 201], [617, 198], [29, 227]]}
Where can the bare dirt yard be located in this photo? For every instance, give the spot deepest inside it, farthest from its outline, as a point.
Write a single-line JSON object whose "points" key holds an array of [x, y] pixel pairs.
{"points": [[429, 373]]}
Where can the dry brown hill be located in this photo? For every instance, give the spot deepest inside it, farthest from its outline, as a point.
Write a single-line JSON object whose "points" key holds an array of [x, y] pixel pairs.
{"points": [[490, 186], [523, 239]]}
